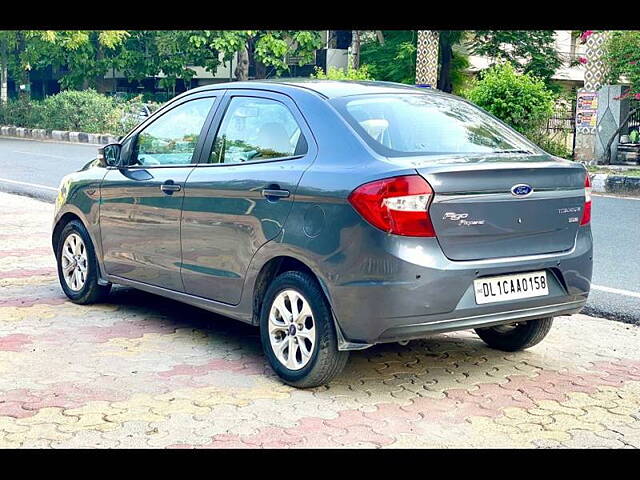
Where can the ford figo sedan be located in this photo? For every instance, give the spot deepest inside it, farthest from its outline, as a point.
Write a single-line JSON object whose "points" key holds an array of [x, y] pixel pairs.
{"points": [[333, 216]]}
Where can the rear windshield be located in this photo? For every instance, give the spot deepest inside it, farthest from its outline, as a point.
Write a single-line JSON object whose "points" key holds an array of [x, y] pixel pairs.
{"points": [[415, 124]]}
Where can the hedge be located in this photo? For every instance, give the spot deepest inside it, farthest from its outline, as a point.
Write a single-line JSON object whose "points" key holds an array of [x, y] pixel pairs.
{"points": [[73, 110]]}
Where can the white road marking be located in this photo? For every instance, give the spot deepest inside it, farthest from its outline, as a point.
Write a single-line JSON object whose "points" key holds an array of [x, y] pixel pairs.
{"points": [[619, 197], [40, 154], [28, 184], [617, 291]]}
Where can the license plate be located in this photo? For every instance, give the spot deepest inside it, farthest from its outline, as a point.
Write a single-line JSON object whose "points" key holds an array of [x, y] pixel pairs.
{"points": [[510, 287]]}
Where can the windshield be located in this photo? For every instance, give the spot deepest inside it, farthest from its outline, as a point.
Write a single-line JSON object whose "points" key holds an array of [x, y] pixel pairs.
{"points": [[410, 124]]}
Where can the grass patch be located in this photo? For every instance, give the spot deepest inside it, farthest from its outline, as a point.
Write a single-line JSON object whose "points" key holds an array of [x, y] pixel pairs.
{"points": [[631, 172]]}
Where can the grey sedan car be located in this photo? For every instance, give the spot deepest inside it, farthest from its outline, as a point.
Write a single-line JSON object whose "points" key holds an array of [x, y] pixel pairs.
{"points": [[333, 216]]}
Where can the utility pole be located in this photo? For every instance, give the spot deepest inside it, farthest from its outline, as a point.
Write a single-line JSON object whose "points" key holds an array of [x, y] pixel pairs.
{"points": [[3, 70]]}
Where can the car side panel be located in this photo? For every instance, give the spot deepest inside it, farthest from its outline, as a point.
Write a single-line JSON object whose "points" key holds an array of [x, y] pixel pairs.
{"points": [[79, 195]]}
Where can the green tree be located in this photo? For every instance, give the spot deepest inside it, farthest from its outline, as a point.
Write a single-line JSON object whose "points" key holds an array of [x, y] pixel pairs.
{"points": [[394, 58], [391, 56], [267, 48], [622, 56], [7, 43], [12, 64], [529, 51], [87, 54]]}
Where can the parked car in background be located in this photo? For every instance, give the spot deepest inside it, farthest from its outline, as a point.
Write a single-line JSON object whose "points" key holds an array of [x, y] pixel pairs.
{"points": [[136, 112], [333, 216]]}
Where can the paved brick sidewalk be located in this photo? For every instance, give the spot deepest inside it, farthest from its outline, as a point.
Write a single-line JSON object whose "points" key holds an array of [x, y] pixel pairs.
{"points": [[142, 371]]}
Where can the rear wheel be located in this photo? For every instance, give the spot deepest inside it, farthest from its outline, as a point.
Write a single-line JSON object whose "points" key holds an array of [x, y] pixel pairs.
{"points": [[516, 336], [297, 332], [78, 266]]}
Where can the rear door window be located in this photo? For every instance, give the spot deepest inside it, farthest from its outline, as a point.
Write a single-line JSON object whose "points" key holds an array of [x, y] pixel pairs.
{"points": [[255, 129]]}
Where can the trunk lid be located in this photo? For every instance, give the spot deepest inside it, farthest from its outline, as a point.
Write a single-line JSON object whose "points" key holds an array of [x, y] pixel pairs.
{"points": [[476, 216]]}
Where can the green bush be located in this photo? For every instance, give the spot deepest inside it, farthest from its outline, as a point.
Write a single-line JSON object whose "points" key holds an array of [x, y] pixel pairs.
{"points": [[21, 113], [81, 111], [361, 73], [550, 145], [520, 100]]}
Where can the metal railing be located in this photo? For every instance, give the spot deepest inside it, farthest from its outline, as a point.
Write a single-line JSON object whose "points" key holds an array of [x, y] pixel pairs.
{"points": [[562, 120], [634, 120]]}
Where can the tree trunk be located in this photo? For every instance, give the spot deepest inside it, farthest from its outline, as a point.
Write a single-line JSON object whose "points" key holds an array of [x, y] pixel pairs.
{"points": [[446, 53], [25, 77], [242, 68], [102, 84], [607, 153], [355, 49], [261, 69], [3, 72]]}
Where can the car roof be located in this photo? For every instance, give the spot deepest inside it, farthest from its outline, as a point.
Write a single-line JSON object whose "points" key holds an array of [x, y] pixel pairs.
{"points": [[325, 88]]}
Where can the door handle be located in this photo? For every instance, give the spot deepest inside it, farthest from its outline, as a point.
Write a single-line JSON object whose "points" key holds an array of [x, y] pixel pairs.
{"points": [[275, 193], [169, 187]]}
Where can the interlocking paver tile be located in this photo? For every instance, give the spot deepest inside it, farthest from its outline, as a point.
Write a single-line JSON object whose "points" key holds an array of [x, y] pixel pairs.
{"points": [[143, 371]]}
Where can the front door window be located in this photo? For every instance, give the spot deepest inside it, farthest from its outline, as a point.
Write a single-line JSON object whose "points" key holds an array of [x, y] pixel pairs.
{"points": [[172, 138]]}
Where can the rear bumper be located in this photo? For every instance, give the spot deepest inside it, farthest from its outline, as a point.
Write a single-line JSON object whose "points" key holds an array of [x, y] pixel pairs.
{"points": [[432, 325], [405, 288]]}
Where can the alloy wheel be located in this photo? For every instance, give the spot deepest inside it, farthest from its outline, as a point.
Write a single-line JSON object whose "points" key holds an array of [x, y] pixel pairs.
{"points": [[74, 262], [292, 329]]}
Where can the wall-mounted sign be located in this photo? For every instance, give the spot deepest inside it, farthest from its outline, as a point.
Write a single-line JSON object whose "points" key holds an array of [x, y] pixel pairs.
{"points": [[587, 109], [587, 101], [586, 118]]}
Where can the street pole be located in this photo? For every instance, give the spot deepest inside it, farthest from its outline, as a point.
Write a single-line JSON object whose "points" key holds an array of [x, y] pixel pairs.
{"points": [[3, 71]]}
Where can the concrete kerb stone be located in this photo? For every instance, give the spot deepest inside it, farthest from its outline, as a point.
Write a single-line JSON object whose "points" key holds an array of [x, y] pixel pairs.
{"points": [[607, 183], [59, 135]]}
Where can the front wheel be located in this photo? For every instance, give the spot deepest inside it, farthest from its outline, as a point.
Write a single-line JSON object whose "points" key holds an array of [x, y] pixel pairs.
{"points": [[297, 332], [516, 336], [78, 266]]}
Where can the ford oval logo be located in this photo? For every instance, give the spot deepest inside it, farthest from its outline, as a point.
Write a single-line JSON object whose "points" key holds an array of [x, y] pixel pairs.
{"points": [[521, 190]]}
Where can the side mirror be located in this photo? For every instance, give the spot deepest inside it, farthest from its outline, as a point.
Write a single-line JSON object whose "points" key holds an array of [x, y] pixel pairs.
{"points": [[109, 155]]}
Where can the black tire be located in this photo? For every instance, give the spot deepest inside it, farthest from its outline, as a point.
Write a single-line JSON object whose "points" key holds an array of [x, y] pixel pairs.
{"points": [[522, 335], [326, 360], [91, 291]]}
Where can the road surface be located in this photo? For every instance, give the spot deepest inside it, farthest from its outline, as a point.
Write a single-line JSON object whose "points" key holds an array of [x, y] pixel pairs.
{"points": [[615, 291], [35, 168], [142, 371]]}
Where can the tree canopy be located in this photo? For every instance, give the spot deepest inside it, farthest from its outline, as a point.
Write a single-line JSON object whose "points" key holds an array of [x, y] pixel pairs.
{"points": [[529, 51], [622, 55], [394, 59], [85, 56]]}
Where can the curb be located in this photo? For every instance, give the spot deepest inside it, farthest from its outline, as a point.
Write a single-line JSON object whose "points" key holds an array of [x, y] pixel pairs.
{"points": [[58, 135], [607, 183]]}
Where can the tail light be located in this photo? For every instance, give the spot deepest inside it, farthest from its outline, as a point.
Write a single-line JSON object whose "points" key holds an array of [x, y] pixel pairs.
{"points": [[586, 212], [397, 205]]}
